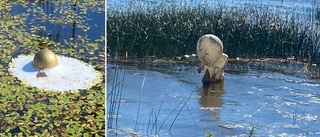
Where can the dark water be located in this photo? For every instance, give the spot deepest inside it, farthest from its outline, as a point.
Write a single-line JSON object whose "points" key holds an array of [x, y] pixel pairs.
{"points": [[274, 103], [58, 32]]}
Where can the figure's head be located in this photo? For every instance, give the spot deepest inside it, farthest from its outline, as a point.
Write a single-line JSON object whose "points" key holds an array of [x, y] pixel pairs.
{"points": [[209, 49]]}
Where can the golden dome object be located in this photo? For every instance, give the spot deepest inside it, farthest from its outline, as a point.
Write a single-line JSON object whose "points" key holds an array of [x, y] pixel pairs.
{"points": [[45, 59]]}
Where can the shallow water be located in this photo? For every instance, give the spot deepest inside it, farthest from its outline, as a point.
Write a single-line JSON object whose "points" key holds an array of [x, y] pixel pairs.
{"points": [[274, 103]]}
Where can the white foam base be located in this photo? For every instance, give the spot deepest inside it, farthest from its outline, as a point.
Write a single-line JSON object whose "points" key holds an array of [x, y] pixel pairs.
{"points": [[69, 74]]}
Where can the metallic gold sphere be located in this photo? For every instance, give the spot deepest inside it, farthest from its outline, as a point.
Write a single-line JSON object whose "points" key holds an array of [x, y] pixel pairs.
{"points": [[45, 59]]}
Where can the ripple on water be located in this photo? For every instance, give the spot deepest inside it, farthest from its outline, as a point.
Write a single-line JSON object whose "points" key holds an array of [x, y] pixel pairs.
{"points": [[290, 126], [295, 116], [286, 88], [311, 84], [210, 108], [314, 99]]}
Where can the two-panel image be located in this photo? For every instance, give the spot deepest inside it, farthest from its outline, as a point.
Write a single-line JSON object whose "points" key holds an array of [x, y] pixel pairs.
{"points": [[169, 68]]}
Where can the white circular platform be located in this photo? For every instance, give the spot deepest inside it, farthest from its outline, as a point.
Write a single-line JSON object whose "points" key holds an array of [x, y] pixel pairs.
{"points": [[69, 75]]}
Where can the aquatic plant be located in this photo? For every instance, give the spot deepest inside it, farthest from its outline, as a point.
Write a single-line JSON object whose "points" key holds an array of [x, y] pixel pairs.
{"points": [[28, 111], [247, 30], [251, 131], [209, 134]]}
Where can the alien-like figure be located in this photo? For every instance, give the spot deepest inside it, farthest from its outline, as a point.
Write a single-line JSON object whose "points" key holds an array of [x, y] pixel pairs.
{"points": [[213, 60]]}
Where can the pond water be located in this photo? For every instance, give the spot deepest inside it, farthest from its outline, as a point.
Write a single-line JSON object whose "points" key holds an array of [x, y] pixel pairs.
{"points": [[60, 31], [172, 101]]}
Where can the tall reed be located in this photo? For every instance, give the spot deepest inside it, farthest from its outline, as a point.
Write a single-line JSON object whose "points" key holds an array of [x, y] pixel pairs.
{"points": [[114, 99], [248, 30]]}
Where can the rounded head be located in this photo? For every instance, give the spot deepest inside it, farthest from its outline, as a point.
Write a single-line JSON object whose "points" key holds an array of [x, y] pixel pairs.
{"points": [[209, 49], [45, 59]]}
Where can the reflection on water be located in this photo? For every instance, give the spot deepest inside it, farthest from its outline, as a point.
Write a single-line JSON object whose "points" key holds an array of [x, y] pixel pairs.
{"points": [[210, 96]]}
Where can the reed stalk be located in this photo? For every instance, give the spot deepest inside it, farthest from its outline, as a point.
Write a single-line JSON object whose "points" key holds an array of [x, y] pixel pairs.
{"points": [[247, 31]]}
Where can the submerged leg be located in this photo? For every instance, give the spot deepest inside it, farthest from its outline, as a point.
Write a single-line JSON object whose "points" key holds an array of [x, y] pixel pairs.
{"points": [[206, 77]]}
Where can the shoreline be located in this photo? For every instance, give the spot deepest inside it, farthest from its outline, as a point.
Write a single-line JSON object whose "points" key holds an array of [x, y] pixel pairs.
{"points": [[285, 66]]}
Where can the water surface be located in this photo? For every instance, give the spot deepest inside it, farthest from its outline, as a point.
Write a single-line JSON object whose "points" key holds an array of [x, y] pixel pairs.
{"points": [[174, 102]]}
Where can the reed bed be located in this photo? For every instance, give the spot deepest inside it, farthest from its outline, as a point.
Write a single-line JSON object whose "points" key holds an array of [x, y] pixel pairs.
{"points": [[247, 31]]}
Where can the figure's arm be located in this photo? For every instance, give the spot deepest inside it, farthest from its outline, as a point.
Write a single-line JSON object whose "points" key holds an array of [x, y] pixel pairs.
{"points": [[200, 68]]}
